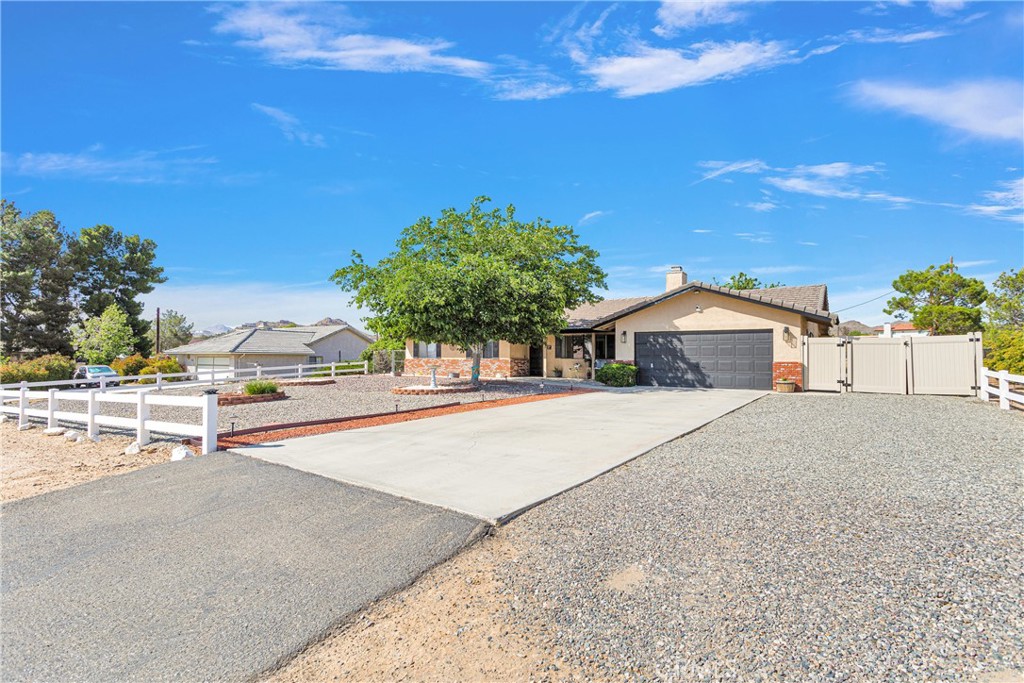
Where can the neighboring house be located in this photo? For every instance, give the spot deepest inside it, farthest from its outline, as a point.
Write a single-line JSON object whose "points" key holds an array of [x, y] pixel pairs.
{"points": [[247, 348], [693, 334], [899, 330]]}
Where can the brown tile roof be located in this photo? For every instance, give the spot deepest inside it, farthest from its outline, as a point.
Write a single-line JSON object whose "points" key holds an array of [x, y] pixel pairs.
{"points": [[810, 300]]}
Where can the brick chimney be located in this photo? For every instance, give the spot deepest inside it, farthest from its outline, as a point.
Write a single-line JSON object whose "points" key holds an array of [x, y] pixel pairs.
{"points": [[674, 278]]}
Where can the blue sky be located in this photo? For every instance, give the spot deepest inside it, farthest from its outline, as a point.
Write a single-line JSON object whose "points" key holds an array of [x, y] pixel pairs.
{"points": [[259, 144]]}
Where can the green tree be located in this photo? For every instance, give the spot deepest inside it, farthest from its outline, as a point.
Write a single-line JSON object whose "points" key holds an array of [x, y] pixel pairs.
{"points": [[35, 282], [1006, 300], [112, 268], [474, 276], [938, 299], [743, 281], [175, 330], [102, 339]]}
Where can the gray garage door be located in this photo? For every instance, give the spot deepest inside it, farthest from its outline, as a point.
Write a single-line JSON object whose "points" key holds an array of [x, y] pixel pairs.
{"points": [[719, 360]]}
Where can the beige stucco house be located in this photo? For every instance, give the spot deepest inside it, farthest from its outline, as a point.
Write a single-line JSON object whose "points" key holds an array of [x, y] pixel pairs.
{"points": [[247, 348], [693, 334]]}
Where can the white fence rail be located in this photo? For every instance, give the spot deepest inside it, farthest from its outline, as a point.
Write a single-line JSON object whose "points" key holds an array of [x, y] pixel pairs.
{"points": [[1003, 391], [206, 376], [141, 422]]}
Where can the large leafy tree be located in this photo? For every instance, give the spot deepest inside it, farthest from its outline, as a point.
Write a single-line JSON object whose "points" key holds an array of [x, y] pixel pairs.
{"points": [[112, 268], [474, 276], [102, 339], [1006, 300], [743, 281], [175, 330], [938, 299], [35, 281]]}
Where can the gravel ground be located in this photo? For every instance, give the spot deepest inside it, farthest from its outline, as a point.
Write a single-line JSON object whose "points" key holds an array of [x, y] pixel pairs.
{"points": [[354, 395], [802, 538]]}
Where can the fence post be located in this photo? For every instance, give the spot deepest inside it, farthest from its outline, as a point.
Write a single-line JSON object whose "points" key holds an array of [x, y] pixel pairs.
{"points": [[259, 371], [141, 415], [333, 369], [209, 421], [159, 381], [103, 384], [51, 409], [23, 405], [91, 429], [1004, 389], [366, 367], [213, 377]]}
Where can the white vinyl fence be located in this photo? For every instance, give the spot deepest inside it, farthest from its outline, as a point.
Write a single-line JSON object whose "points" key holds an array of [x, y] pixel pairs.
{"points": [[141, 423], [15, 398], [1003, 391]]}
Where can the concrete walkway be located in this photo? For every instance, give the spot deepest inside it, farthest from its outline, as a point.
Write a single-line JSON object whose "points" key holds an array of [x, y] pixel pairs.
{"points": [[211, 569], [493, 464]]}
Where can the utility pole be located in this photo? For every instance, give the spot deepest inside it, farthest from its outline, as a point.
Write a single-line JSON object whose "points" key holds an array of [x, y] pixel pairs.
{"points": [[158, 331]]}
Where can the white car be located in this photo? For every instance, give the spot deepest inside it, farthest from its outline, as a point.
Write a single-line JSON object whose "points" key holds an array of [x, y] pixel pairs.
{"points": [[89, 375]]}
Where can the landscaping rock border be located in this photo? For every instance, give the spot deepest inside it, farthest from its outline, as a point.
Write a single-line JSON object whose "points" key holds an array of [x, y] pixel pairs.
{"points": [[242, 399]]}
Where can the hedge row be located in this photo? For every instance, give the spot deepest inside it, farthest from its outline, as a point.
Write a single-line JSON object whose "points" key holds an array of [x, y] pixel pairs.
{"points": [[50, 368]]}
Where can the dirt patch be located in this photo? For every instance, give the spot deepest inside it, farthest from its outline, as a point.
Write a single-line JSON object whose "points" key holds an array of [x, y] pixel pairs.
{"points": [[458, 622], [278, 435], [32, 463]]}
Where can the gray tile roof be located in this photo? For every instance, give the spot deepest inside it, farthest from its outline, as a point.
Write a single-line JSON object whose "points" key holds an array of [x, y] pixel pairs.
{"points": [[291, 341], [810, 300]]}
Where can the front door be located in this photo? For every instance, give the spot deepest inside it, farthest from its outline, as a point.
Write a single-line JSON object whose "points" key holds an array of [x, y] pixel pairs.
{"points": [[536, 361]]}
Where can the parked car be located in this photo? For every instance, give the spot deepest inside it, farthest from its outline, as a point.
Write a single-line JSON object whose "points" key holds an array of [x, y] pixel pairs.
{"points": [[89, 375]]}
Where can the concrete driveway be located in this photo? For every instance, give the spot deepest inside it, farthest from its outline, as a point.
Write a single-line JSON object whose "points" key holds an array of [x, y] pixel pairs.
{"points": [[216, 568], [493, 464]]}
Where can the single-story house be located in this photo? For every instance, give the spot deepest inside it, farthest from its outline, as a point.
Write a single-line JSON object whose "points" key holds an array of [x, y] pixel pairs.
{"points": [[693, 334], [247, 348], [899, 330]]}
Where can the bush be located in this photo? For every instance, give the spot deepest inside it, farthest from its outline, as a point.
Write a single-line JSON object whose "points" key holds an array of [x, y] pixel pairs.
{"points": [[1005, 350], [617, 375], [132, 365], [49, 368], [165, 364], [260, 386]]}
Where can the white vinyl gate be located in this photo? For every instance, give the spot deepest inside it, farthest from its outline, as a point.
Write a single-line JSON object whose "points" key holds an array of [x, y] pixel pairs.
{"points": [[948, 365]]}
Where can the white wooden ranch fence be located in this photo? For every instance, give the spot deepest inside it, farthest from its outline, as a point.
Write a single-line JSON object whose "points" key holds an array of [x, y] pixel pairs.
{"points": [[145, 395], [1003, 390], [141, 423]]}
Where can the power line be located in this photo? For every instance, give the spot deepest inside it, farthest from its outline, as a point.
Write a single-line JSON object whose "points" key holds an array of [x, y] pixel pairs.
{"points": [[891, 291]]}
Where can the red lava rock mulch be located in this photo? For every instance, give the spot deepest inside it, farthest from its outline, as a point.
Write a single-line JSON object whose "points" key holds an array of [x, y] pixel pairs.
{"points": [[280, 434], [242, 399]]}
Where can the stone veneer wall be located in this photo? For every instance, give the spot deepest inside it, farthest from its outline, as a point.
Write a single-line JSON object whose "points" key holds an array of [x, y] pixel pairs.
{"points": [[489, 367], [793, 370]]}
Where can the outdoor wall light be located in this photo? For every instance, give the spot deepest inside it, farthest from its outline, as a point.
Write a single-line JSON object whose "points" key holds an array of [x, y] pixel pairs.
{"points": [[699, 309], [622, 337], [786, 334]]}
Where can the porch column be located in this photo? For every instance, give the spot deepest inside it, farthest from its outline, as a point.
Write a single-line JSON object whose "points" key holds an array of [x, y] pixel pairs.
{"points": [[593, 356]]}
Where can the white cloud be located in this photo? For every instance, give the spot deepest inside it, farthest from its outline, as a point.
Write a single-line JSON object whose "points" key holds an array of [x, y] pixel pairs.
{"points": [[974, 264], [647, 70], [762, 207], [519, 89], [137, 167], [946, 8], [885, 35], [592, 216], [1006, 203], [324, 37], [755, 237], [702, 232], [990, 109], [721, 168], [808, 244], [290, 126], [234, 303], [674, 16]]}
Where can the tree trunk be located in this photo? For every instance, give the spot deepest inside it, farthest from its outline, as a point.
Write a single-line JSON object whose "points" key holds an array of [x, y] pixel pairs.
{"points": [[475, 374]]}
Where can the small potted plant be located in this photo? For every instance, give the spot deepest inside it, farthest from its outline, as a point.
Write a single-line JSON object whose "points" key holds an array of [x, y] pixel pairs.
{"points": [[785, 385], [557, 372]]}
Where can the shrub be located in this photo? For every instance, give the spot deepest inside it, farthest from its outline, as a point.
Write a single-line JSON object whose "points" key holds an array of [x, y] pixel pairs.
{"points": [[617, 375], [1006, 350], [165, 364], [49, 368], [260, 386], [132, 365]]}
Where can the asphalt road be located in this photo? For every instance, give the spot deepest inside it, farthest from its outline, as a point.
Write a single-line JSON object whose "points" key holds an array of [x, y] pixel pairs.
{"points": [[214, 568]]}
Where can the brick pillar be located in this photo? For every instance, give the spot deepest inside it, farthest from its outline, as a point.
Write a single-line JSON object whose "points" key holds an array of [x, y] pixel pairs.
{"points": [[793, 370]]}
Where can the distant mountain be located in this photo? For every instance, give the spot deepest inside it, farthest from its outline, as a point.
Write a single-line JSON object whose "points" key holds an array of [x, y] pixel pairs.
{"points": [[845, 328], [265, 324], [329, 321], [213, 330]]}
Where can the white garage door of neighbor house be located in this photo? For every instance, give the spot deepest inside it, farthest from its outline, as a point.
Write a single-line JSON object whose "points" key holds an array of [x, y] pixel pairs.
{"points": [[219, 365]]}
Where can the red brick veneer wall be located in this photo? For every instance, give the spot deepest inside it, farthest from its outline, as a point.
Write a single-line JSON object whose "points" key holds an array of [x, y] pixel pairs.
{"points": [[793, 370], [489, 367]]}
